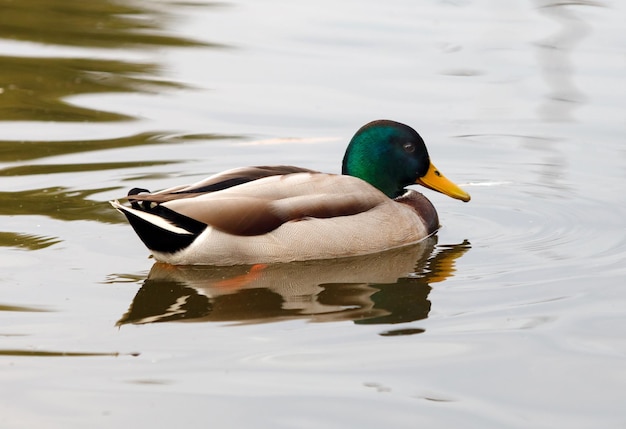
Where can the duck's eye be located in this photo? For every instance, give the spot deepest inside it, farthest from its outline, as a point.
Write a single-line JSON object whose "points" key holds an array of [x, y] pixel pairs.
{"points": [[408, 147]]}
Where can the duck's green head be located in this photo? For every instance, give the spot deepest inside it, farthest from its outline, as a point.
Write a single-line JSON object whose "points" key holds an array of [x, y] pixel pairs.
{"points": [[390, 156]]}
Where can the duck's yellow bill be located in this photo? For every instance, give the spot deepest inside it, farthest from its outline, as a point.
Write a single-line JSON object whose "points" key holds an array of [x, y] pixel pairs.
{"points": [[436, 181]]}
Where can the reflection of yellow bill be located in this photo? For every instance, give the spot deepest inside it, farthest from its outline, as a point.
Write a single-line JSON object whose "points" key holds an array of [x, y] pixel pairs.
{"points": [[436, 181]]}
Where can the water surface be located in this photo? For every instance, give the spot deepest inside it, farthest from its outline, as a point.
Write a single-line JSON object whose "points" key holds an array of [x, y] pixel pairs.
{"points": [[511, 316]]}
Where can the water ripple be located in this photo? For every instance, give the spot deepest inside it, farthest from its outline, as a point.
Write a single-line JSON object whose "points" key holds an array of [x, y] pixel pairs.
{"points": [[523, 234]]}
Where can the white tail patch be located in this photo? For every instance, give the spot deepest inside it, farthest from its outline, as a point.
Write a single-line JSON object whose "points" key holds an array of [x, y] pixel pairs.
{"points": [[151, 218]]}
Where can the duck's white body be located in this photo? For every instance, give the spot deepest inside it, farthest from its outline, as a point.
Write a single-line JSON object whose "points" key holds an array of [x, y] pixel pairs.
{"points": [[290, 217]]}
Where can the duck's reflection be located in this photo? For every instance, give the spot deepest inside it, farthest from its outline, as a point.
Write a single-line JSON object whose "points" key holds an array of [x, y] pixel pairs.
{"points": [[385, 288]]}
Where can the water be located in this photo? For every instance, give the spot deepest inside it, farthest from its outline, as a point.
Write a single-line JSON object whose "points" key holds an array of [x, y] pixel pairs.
{"points": [[512, 316]]}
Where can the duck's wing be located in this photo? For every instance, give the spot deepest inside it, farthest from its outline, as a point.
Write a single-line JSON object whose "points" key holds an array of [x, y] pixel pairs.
{"points": [[260, 206], [217, 182]]}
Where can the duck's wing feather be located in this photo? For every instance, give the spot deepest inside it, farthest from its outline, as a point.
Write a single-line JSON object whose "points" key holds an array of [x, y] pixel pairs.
{"points": [[261, 206], [217, 182]]}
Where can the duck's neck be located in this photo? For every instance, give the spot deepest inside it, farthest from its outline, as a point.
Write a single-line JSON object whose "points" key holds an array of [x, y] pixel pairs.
{"points": [[367, 162]]}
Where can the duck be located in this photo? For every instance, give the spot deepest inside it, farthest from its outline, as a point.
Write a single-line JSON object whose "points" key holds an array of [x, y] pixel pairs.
{"points": [[280, 213]]}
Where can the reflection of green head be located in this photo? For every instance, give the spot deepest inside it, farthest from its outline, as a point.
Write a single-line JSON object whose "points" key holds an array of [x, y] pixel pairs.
{"points": [[388, 155]]}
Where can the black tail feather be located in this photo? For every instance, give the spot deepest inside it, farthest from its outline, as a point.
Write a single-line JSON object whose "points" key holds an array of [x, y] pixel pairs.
{"points": [[160, 239], [135, 204]]}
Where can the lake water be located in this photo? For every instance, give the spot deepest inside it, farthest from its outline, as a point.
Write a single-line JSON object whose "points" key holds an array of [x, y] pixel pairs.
{"points": [[512, 316]]}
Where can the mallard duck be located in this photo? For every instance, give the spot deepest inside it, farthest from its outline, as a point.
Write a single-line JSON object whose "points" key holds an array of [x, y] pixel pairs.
{"points": [[282, 213]]}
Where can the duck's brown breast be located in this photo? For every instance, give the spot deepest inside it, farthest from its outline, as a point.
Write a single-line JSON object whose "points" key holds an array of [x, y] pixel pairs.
{"points": [[423, 207]]}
